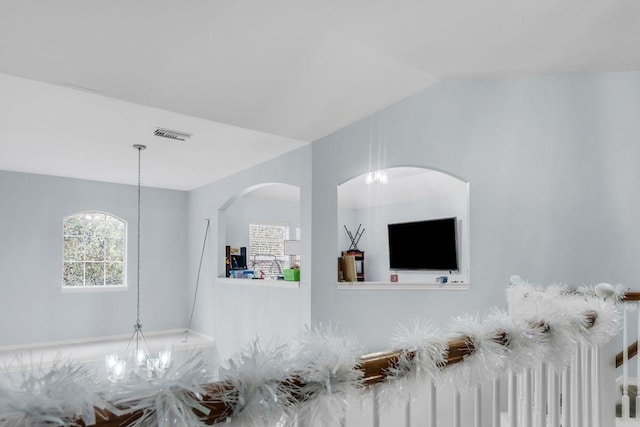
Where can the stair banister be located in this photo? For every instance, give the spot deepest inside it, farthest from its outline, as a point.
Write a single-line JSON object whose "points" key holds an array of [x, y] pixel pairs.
{"points": [[375, 369]]}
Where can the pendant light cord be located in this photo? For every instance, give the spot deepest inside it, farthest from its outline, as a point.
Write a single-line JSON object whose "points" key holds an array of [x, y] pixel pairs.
{"points": [[140, 148], [137, 327], [195, 296]]}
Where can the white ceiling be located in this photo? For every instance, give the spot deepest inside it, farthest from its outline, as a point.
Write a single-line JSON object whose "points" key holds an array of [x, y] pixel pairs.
{"points": [[253, 79]]}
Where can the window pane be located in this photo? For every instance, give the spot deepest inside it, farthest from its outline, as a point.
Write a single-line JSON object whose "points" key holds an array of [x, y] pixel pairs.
{"points": [[73, 226], [95, 224], [73, 249], [114, 274], [94, 274], [73, 274], [115, 228], [114, 250], [94, 248]]}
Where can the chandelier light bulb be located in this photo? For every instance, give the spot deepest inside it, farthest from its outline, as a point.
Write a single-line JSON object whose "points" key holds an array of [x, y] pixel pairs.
{"points": [[118, 370], [165, 359]]}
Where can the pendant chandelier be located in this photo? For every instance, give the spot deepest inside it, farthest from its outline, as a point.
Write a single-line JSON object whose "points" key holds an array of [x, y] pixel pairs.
{"points": [[138, 359]]}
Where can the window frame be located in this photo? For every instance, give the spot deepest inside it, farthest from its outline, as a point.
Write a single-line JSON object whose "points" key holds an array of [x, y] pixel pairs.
{"points": [[95, 288]]}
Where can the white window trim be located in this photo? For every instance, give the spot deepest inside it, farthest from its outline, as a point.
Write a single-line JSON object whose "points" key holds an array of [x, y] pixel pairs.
{"points": [[82, 289]]}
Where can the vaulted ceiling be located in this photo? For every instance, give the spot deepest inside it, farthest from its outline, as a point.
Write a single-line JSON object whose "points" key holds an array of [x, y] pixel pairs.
{"points": [[82, 81]]}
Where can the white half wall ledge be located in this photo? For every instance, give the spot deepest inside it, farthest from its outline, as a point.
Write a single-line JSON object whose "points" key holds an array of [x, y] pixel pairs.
{"points": [[259, 283], [399, 286], [15, 358]]}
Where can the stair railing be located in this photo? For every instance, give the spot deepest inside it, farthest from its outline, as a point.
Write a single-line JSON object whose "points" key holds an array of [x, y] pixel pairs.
{"points": [[539, 395], [627, 353]]}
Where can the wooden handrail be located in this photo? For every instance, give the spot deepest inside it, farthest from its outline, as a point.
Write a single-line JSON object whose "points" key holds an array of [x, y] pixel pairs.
{"points": [[375, 369], [631, 296], [632, 351]]}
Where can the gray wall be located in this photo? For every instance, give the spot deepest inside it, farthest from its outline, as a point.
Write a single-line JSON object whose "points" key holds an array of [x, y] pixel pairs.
{"points": [[32, 306], [248, 209], [553, 169]]}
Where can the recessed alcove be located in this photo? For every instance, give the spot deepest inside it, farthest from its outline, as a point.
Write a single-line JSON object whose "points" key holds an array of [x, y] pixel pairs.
{"points": [[274, 205], [409, 194]]}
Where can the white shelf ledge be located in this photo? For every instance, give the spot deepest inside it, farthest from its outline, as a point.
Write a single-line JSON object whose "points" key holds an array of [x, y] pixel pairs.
{"points": [[403, 286], [260, 283]]}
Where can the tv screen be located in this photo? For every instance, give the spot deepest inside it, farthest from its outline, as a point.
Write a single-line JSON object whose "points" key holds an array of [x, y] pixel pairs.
{"points": [[423, 245]]}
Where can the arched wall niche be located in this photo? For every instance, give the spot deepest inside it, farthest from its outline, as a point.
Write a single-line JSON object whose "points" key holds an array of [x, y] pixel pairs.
{"points": [[275, 203], [411, 193]]}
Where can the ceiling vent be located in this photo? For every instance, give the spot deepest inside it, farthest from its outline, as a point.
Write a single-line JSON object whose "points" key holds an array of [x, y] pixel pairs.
{"points": [[172, 134]]}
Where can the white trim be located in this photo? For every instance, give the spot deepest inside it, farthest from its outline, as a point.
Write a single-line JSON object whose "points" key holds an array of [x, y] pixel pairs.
{"points": [[19, 357], [103, 288], [260, 283], [396, 286], [104, 338]]}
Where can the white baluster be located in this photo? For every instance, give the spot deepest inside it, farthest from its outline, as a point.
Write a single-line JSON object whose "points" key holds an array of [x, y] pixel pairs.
{"points": [[521, 402], [456, 409], [535, 401], [597, 395], [477, 411], [527, 401], [432, 405], [512, 400], [577, 389], [588, 390], [566, 406], [496, 403], [407, 413], [541, 396], [625, 368], [554, 398], [376, 408]]}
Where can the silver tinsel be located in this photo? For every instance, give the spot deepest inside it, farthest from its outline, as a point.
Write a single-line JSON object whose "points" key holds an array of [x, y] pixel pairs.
{"points": [[168, 399], [263, 384], [326, 363], [53, 396]]}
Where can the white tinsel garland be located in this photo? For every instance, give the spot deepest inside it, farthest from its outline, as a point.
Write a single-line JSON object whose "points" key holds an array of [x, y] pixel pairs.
{"points": [[423, 353], [53, 396], [526, 343], [263, 386], [485, 362], [326, 363], [563, 312], [558, 313], [275, 386], [168, 399]]}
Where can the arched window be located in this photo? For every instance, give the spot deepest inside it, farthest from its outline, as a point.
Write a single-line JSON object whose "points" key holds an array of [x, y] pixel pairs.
{"points": [[94, 250]]}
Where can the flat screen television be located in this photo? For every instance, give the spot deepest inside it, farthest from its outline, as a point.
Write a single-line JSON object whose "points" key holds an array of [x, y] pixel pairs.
{"points": [[423, 245]]}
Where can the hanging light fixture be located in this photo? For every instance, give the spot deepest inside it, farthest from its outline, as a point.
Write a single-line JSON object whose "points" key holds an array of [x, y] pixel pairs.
{"points": [[377, 177], [138, 354]]}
